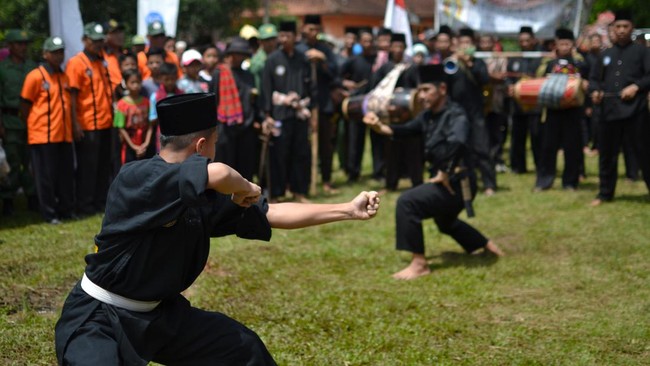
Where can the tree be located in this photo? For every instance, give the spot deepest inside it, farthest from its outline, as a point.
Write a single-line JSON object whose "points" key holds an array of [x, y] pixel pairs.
{"points": [[639, 9]]}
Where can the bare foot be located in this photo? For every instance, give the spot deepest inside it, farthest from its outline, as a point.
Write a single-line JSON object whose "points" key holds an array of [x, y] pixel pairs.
{"points": [[493, 249], [489, 192], [418, 268], [329, 189], [595, 203]]}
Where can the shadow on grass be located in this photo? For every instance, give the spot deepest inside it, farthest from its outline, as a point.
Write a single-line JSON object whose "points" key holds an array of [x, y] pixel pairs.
{"points": [[456, 259], [644, 198]]}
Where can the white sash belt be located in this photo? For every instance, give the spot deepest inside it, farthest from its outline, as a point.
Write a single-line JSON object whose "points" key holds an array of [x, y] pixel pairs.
{"points": [[110, 298]]}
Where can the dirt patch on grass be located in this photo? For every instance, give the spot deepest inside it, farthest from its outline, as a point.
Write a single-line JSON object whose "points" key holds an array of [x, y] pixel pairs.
{"points": [[43, 300]]}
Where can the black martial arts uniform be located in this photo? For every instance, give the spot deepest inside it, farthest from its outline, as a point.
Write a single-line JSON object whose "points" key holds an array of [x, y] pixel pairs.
{"points": [[562, 128], [467, 90], [446, 136], [617, 68], [402, 156], [290, 152], [523, 122], [154, 242], [237, 145]]}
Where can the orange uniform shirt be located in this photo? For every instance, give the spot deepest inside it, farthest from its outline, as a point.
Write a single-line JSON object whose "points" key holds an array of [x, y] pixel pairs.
{"points": [[95, 99], [49, 119], [113, 64], [170, 57]]}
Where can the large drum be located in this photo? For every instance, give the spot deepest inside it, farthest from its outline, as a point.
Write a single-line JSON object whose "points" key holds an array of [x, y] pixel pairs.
{"points": [[557, 91], [400, 107]]}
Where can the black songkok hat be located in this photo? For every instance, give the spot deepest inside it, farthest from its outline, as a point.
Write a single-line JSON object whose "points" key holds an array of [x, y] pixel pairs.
{"points": [[187, 113], [466, 32], [312, 19], [563, 33], [287, 26], [398, 37], [623, 14], [353, 30], [364, 29], [432, 74], [384, 32], [527, 29], [445, 29]]}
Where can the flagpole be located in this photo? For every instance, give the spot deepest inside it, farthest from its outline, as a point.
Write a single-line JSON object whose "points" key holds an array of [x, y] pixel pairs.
{"points": [[436, 14]]}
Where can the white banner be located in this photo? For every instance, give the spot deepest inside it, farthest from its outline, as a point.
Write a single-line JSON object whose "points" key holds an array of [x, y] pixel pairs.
{"points": [[507, 16], [397, 20], [65, 22], [165, 11]]}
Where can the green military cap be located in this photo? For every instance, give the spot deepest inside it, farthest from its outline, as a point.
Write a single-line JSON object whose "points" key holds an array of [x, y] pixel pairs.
{"points": [[113, 26], [17, 35], [138, 41], [268, 31], [155, 28], [53, 44], [94, 31]]}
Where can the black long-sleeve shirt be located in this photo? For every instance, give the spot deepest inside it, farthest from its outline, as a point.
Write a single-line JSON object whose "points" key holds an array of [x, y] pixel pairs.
{"points": [[467, 87], [284, 74], [245, 82], [616, 68], [445, 136], [326, 72], [517, 68], [359, 69]]}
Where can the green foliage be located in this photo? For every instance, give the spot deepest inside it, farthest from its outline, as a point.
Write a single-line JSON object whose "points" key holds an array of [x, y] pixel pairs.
{"points": [[572, 289], [639, 8]]}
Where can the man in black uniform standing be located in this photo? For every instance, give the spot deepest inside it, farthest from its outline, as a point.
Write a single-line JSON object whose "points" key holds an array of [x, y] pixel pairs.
{"points": [[620, 83], [523, 121], [324, 59], [445, 129], [562, 127], [285, 92], [155, 241]]}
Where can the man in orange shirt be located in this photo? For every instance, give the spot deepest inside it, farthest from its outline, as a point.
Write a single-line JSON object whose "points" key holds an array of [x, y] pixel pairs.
{"points": [[157, 38], [46, 110], [113, 48], [91, 93]]}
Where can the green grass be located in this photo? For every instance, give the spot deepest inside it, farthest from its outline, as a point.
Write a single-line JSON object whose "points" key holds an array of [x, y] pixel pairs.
{"points": [[573, 289]]}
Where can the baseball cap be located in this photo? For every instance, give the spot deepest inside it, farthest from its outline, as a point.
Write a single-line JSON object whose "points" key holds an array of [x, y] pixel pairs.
{"points": [[53, 44], [138, 40], [155, 28], [94, 31], [17, 35], [190, 56], [248, 31], [268, 31]]}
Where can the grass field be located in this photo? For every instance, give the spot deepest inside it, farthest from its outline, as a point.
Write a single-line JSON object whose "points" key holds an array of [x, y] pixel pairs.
{"points": [[573, 289]]}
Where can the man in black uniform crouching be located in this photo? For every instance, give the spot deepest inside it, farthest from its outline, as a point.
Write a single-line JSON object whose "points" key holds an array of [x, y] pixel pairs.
{"points": [[155, 241], [445, 130]]}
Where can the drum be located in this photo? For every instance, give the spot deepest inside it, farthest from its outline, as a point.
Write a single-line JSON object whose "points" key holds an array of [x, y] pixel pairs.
{"points": [[400, 107], [557, 91]]}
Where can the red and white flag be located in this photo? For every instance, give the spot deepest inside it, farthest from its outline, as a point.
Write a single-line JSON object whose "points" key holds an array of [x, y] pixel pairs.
{"points": [[397, 20]]}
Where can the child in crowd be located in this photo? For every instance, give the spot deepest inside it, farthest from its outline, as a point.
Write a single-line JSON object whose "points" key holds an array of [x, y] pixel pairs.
{"points": [[128, 61], [155, 59], [167, 76], [132, 119], [211, 58], [191, 82]]}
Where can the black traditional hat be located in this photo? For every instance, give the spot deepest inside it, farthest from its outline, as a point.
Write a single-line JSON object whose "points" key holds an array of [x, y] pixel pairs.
{"points": [[384, 32], [364, 29], [287, 26], [466, 32], [526, 29], [398, 37], [432, 74], [445, 29], [312, 19], [183, 114], [623, 14], [238, 45], [563, 33]]}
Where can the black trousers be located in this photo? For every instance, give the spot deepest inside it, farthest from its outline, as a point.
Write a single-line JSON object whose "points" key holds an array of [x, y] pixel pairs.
{"points": [[172, 334], [434, 201], [54, 177], [522, 125], [404, 156], [237, 147], [612, 135], [356, 145], [290, 156], [563, 128], [326, 142], [497, 125], [481, 158], [94, 169]]}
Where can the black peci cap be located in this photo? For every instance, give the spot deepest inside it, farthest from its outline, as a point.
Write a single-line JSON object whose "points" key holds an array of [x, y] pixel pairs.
{"points": [[384, 32], [187, 113], [563, 33], [526, 29], [445, 29], [312, 19], [466, 32], [287, 26], [623, 14], [432, 74], [398, 37]]}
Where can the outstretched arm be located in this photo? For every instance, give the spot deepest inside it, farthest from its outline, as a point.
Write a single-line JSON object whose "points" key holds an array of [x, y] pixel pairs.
{"points": [[227, 180], [298, 215]]}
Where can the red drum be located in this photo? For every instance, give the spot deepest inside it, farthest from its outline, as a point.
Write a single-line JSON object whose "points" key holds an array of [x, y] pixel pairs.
{"points": [[400, 107], [557, 91]]}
